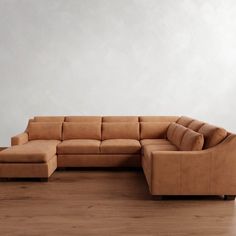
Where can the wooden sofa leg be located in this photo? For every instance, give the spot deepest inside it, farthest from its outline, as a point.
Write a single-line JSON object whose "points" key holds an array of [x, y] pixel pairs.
{"points": [[229, 197], [43, 179], [157, 197]]}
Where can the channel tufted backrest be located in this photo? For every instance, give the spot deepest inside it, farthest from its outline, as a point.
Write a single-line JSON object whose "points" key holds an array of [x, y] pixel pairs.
{"points": [[176, 134], [195, 125], [191, 141], [184, 139], [212, 135], [184, 120]]}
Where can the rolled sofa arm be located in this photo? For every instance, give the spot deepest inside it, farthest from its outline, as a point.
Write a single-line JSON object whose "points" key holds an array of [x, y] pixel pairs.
{"points": [[19, 139], [207, 172]]}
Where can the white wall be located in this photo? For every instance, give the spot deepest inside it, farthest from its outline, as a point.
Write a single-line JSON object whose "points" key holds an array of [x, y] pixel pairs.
{"points": [[117, 57]]}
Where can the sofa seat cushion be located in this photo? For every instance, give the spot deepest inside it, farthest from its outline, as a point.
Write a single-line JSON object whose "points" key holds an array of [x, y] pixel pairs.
{"points": [[36, 151], [148, 149], [79, 146], [154, 141], [120, 146]]}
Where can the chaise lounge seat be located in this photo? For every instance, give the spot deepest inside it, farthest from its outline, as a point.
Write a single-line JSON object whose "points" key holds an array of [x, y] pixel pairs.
{"points": [[33, 153], [35, 159], [36, 151], [120, 146]]}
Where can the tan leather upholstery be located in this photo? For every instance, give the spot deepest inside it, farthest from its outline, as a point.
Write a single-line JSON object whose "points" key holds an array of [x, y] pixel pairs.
{"points": [[45, 130], [36, 151], [148, 149], [171, 167], [81, 130], [205, 172], [184, 120], [212, 135], [170, 131], [184, 139], [120, 119], [153, 130], [79, 146], [120, 146], [28, 170], [154, 141], [195, 125], [192, 141], [147, 158], [20, 139], [120, 130], [49, 118], [177, 135], [83, 119], [158, 118], [99, 160]]}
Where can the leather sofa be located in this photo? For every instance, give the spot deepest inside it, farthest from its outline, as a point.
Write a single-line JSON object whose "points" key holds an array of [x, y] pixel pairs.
{"points": [[179, 155]]}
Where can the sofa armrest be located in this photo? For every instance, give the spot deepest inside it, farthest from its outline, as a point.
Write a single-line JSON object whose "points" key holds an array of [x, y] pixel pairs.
{"points": [[19, 139], [207, 172]]}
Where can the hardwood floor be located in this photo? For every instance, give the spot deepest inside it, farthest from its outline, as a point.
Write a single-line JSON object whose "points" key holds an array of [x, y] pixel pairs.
{"points": [[99, 202]]}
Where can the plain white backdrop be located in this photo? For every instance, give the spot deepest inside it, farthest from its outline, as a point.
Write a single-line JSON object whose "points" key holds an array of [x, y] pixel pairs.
{"points": [[117, 57]]}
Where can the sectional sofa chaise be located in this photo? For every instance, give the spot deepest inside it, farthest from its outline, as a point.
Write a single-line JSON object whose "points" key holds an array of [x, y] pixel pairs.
{"points": [[179, 155]]}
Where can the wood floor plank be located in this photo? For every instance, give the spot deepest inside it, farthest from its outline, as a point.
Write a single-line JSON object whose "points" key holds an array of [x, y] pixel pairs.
{"points": [[107, 203]]}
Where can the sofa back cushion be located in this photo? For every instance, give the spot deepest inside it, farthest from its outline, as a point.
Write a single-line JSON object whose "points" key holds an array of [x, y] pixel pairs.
{"points": [[191, 141], [212, 135], [120, 130], [195, 125], [178, 135], [158, 118], [175, 133], [153, 130], [45, 130], [120, 119], [170, 131], [81, 130], [184, 120], [49, 118], [183, 138], [83, 119]]}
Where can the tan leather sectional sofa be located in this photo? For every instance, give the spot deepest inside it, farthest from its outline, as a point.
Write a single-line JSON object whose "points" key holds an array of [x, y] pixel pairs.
{"points": [[179, 155]]}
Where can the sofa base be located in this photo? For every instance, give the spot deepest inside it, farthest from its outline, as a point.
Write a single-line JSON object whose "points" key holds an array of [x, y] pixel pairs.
{"points": [[28, 170], [99, 160], [162, 197], [229, 197]]}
